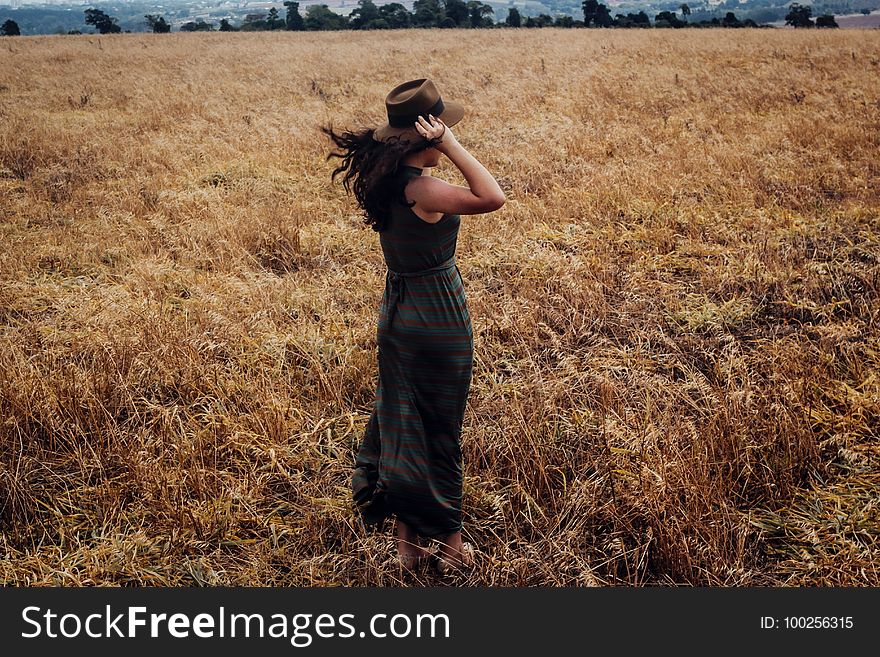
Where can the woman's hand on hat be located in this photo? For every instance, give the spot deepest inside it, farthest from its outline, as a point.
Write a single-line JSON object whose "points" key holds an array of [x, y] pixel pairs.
{"points": [[436, 128]]}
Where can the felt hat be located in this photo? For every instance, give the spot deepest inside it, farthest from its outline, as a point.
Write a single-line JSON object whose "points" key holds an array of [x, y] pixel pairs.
{"points": [[407, 101]]}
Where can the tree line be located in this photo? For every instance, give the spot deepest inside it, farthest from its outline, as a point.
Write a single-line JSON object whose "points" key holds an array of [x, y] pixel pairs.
{"points": [[438, 13]]}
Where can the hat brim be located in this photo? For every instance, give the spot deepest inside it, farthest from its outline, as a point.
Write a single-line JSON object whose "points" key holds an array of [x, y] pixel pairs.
{"points": [[452, 113]]}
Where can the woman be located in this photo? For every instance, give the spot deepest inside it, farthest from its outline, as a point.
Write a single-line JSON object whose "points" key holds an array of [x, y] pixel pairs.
{"points": [[409, 461]]}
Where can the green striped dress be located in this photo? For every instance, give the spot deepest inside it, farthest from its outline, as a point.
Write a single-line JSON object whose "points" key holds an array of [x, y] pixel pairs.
{"points": [[409, 461]]}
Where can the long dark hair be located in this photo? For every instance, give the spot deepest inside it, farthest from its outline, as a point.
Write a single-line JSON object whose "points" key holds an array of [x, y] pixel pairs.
{"points": [[370, 168]]}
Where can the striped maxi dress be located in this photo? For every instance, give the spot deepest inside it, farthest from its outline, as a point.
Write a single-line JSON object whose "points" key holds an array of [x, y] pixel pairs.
{"points": [[409, 461]]}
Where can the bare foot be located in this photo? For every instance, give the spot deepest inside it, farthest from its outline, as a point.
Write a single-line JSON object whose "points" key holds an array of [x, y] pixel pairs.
{"points": [[414, 558], [462, 561], [410, 553]]}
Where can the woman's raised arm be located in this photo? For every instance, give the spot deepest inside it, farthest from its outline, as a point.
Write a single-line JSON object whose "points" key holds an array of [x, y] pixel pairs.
{"points": [[434, 195]]}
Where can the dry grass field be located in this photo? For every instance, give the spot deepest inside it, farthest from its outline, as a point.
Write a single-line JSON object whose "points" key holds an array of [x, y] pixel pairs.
{"points": [[675, 314]]}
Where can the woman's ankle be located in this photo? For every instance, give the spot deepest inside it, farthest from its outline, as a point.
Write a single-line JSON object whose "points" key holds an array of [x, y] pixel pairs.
{"points": [[451, 545], [461, 561]]}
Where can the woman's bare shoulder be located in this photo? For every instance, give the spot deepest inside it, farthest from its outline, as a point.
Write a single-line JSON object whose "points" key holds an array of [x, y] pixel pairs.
{"points": [[417, 190]]}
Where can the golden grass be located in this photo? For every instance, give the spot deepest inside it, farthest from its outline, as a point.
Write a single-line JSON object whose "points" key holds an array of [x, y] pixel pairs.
{"points": [[675, 313]]}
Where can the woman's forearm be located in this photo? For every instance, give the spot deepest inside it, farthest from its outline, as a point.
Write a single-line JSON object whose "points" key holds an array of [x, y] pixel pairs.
{"points": [[481, 182]]}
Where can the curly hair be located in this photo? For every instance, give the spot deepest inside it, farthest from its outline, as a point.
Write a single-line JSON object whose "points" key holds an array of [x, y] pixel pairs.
{"points": [[370, 168]]}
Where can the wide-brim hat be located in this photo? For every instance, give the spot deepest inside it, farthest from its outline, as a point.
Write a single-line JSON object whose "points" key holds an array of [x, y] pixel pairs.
{"points": [[409, 100]]}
